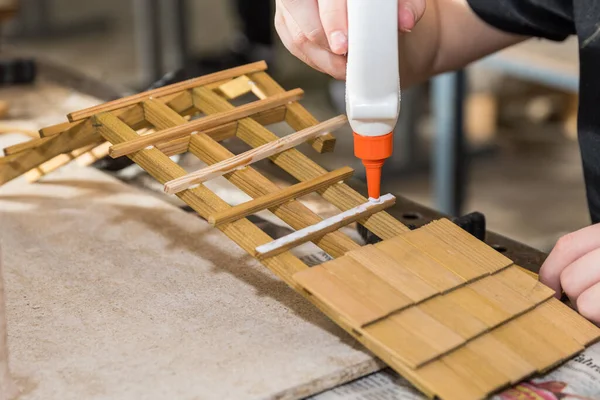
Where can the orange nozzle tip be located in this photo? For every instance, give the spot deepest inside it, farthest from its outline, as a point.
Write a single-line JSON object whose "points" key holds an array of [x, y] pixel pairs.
{"points": [[373, 151]]}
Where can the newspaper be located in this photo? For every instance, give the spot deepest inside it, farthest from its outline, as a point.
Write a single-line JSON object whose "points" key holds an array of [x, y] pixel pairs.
{"points": [[577, 379]]}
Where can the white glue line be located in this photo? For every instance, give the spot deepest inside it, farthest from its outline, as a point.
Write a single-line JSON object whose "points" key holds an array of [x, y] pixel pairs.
{"points": [[327, 225]]}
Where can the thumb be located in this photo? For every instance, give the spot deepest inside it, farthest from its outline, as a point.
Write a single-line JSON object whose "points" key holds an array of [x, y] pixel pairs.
{"points": [[409, 13], [334, 18]]}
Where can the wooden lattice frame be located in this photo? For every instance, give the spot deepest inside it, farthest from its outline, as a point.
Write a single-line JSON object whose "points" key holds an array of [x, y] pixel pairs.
{"points": [[389, 296]]}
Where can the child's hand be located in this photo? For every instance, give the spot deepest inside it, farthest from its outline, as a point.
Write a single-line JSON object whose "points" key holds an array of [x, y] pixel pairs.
{"points": [[574, 266], [316, 31]]}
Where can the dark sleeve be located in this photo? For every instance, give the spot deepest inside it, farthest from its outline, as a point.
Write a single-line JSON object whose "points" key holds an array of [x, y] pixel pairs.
{"points": [[549, 19]]}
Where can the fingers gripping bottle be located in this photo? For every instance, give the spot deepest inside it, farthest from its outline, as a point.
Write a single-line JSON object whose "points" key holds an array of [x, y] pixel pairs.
{"points": [[373, 83]]}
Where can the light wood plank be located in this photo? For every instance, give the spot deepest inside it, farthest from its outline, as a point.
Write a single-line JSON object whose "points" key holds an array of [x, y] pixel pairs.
{"points": [[573, 324], [20, 147], [55, 163], [502, 296], [493, 352], [449, 385], [468, 245], [299, 166], [56, 129], [280, 197], [518, 280], [236, 87], [294, 213], [341, 299], [427, 268], [367, 285], [168, 90], [208, 122], [455, 318], [332, 224], [254, 155], [400, 278], [445, 254], [481, 308]]}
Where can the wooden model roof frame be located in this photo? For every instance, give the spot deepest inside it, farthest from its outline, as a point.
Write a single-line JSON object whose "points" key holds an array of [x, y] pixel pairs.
{"points": [[443, 309]]}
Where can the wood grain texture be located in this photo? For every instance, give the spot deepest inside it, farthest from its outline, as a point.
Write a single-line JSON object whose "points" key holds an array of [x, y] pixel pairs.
{"points": [[299, 166], [294, 213], [200, 124], [167, 90], [254, 155], [331, 224], [455, 318], [564, 318], [20, 147], [55, 163], [280, 197]]}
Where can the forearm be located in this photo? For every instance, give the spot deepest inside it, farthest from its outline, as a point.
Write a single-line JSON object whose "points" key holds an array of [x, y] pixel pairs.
{"points": [[438, 45]]}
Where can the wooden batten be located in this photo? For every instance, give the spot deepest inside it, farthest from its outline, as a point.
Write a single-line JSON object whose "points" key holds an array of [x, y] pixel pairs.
{"points": [[329, 225], [280, 197], [20, 147], [168, 90], [212, 121], [252, 156]]}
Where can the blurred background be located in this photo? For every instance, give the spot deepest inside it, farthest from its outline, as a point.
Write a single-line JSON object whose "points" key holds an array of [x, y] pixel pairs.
{"points": [[499, 137]]}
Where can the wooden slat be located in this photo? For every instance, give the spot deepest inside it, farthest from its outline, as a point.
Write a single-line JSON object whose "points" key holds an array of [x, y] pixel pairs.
{"points": [[297, 116], [468, 245], [481, 308], [445, 254], [493, 352], [448, 385], [332, 224], [577, 327], [299, 166], [55, 163], [95, 154], [168, 90], [20, 147], [280, 197], [253, 183], [56, 129], [236, 87], [502, 296], [341, 299], [456, 318], [366, 284], [419, 263], [254, 155], [524, 284], [400, 278], [200, 124]]}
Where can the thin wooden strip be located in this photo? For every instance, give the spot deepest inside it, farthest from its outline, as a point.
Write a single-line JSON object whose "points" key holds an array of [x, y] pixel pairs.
{"points": [[521, 282], [253, 183], [301, 167], [473, 366], [447, 384], [20, 147], [297, 116], [341, 299], [427, 268], [502, 296], [467, 244], [493, 352], [56, 129], [445, 254], [388, 269], [8, 159], [329, 225], [284, 195], [367, 285], [573, 324], [207, 122], [427, 329], [201, 199], [254, 155], [168, 90], [535, 349], [455, 318], [95, 154], [488, 312], [537, 323]]}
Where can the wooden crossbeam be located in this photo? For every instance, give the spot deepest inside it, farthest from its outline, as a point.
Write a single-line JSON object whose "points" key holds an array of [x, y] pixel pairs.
{"points": [[293, 161], [252, 156], [28, 145], [294, 213], [208, 122], [56, 129], [280, 197], [329, 225], [168, 90]]}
